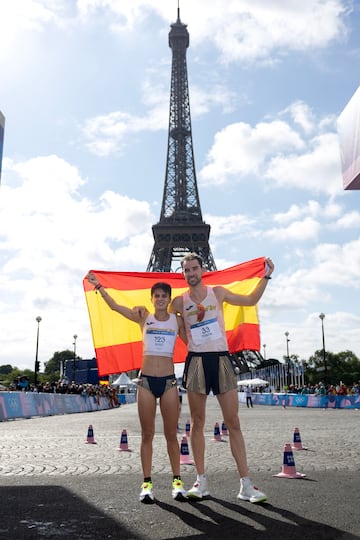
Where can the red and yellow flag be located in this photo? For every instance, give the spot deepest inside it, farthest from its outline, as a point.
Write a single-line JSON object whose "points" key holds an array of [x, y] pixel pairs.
{"points": [[118, 341]]}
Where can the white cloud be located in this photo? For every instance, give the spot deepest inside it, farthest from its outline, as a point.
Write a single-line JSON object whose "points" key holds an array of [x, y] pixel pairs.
{"points": [[109, 133], [302, 115], [297, 231], [254, 31], [350, 220], [226, 225], [277, 152], [325, 269], [240, 150], [317, 170], [312, 208], [46, 224], [49, 237], [341, 329]]}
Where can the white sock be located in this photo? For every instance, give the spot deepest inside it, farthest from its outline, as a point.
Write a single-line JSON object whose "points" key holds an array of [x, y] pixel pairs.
{"points": [[245, 480], [201, 477]]}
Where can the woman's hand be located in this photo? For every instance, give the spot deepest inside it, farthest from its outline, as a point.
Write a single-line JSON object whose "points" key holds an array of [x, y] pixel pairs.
{"points": [[92, 279]]}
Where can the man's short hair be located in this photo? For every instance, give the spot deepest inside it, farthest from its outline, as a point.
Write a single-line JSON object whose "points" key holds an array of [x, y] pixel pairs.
{"points": [[163, 286], [192, 257]]}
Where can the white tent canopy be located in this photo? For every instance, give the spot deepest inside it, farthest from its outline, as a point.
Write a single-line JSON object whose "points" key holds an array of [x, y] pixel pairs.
{"points": [[122, 380], [253, 382]]}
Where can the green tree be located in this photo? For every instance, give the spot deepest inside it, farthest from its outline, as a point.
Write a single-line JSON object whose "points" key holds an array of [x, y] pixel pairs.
{"points": [[52, 366], [59, 358], [5, 369], [343, 366]]}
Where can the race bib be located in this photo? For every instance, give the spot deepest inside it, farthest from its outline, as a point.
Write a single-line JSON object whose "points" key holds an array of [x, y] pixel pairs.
{"points": [[205, 331], [161, 341]]}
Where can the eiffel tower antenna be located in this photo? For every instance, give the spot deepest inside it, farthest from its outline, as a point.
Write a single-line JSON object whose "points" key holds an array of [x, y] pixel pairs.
{"points": [[181, 228]]}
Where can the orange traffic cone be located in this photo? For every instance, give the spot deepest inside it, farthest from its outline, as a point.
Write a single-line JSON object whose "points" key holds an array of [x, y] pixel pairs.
{"points": [[297, 444], [288, 469], [124, 442], [224, 430], [184, 452], [90, 436], [217, 436]]}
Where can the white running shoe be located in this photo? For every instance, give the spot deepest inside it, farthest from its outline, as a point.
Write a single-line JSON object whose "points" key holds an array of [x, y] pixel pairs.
{"points": [[146, 494], [251, 493], [199, 489]]}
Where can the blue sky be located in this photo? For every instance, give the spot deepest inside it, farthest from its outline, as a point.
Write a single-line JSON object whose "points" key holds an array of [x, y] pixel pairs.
{"points": [[85, 92]]}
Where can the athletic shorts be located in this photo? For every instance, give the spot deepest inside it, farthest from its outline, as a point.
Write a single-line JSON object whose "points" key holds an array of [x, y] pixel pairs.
{"points": [[157, 385], [209, 371]]}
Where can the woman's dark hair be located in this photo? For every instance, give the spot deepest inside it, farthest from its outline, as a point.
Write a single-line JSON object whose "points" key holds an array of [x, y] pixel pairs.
{"points": [[163, 286]]}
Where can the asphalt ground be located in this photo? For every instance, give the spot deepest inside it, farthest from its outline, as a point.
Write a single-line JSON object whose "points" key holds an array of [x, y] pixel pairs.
{"points": [[55, 485]]}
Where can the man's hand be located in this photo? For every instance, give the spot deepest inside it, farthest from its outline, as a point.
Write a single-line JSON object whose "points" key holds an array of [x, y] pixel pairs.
{"points": [[269, 267]]}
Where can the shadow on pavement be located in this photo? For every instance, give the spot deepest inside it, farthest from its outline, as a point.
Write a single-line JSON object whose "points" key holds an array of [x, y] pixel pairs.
{"points": [[215, 521], [34, 512]]}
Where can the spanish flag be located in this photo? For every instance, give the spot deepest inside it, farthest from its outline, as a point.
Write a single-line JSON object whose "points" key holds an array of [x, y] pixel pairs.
{"points": [[118, 341]]}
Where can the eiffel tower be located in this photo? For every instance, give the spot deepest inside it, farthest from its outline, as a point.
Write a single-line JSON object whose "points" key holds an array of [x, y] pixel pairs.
{"points": [[181, 228]]}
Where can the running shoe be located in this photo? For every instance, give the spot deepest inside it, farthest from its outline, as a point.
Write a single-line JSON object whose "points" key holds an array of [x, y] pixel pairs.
{"points": [[146, 495], [251, 493], [199, 489], [178, 491]]}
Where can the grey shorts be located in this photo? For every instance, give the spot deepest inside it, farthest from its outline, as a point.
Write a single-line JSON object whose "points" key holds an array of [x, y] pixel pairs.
{"points": [[209, 371]]}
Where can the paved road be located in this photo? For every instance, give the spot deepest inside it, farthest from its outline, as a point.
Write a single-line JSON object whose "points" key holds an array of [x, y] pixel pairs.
{"points": [[54, 485]]}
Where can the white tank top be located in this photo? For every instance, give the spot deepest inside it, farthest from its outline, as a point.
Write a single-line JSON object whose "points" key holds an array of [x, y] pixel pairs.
{"points": [[159, 336], [206, 334]]}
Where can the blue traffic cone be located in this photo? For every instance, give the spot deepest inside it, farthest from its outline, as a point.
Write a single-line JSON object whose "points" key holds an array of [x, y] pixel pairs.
{"points": [[288, 469], [124, 447], [224, 430], [217, 435], [297, 444], [90, 436], [184, 452]]}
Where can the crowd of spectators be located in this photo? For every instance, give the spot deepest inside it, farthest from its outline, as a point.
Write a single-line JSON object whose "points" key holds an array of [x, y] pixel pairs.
{"points": [[322, 389], [104, 390], [64, 387]]}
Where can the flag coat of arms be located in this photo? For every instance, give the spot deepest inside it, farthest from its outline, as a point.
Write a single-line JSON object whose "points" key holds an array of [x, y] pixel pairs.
{"points": [[118, 341]]}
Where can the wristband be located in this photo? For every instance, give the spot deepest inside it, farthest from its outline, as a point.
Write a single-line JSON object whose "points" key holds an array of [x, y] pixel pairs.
{"points": [[267, 277], [98, 286]]}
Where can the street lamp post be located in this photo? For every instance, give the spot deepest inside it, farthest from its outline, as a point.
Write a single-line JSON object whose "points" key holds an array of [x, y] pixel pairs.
{"points": [[37, 365], [74, 367], [322, 317], [287, 358], [264, 347]]}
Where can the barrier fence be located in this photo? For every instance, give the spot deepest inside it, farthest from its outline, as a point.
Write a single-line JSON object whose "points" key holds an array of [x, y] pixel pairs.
{"points": [[27, 404], [304, 400]]}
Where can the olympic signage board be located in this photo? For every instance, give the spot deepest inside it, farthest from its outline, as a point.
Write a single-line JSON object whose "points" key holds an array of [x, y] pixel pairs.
{"points": [[348, 127]]}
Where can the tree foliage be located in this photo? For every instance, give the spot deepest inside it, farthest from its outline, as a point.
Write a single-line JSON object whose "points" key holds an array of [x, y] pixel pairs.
{"points": [[5, 369], [59, 358], [340, 367]]}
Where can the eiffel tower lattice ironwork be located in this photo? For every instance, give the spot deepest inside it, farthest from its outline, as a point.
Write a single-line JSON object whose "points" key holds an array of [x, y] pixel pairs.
{"points": [[181, 228]]}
